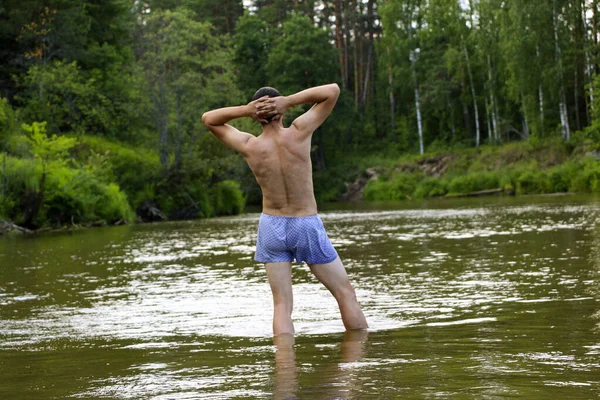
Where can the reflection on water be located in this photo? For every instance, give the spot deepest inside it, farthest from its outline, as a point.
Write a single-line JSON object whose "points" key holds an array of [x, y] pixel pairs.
{"points": [[464, 299], [337, 380]]}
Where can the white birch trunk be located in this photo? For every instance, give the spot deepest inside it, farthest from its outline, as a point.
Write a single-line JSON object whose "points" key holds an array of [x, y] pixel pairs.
{"points": [[540, 89], [564, 116], [413, 61], [477, 130], [589, 66], [492, 98]]}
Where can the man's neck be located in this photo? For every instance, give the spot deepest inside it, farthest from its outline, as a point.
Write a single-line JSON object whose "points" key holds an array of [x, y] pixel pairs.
{"points": [[272, 127]]}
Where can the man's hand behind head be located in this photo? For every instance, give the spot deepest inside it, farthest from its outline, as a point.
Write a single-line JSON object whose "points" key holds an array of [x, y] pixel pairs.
{"points": [[258, 110]]}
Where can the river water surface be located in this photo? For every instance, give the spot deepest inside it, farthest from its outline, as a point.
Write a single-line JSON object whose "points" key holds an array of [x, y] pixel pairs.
{"points": [[465, 299]]}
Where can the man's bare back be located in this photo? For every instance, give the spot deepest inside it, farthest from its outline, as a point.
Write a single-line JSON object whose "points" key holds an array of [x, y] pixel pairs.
{"points": [[279, 157], [289, 228], [280, 161]]}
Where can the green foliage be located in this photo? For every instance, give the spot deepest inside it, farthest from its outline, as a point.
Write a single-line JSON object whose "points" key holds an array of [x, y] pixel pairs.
{"points": [[329, 184], [135, 170], [70, 195], [532, 182], [77, 196], [227, 198], [252, 43], [588, 177], [46, 148], [400, 187], [301, 57], [473, 182], [8, 125], [431, 187], [63, 95]]}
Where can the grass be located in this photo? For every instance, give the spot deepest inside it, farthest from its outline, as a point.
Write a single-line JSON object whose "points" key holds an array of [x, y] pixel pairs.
{"points": [[523, 168]]}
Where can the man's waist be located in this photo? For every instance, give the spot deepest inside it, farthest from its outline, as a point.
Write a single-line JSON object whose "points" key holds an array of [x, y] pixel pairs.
{"points": [[288, 211]]}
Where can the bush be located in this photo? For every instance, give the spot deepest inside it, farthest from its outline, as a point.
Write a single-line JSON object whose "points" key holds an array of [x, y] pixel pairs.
{"points": [[534, 182], [400, 187], [227, 198], [69, 194], [588, 177], [474, 182], [431, 187], [184, 201], [133, 169]]}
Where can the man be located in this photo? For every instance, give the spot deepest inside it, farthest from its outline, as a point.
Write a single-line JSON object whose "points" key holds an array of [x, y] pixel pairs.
{"points": [[289, 227]]}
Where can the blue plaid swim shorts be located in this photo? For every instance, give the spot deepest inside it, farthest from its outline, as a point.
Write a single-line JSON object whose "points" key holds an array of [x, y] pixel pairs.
{"points": [[282, 238]]}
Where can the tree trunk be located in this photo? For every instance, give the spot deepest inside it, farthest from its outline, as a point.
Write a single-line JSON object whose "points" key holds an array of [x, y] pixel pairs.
{"points": [[525, 121], [540, 88], [372, 60], [475, 109], [366, 83], [452, 123], [595, 21], [163, 124], [357, 67], [3, 175], [413, 61], [179, 144], [576, 98], [339, 38], [359, 41], [487, 117], [391, 88], [346, 39], [564, 115], [467, 116], [589, 67], [493, 108]]}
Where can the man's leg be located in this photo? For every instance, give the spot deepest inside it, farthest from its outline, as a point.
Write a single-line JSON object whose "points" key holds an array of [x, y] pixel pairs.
{"points": [[280, 280], [334, 277]]}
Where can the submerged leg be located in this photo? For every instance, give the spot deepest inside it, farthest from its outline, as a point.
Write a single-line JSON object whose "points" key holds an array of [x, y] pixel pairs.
{"points": [[280, 280], [334, 277]]}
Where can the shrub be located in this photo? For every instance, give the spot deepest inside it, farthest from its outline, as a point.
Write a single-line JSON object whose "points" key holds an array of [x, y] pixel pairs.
{"points": [[400, 187], [183, 201], [431, 187], [474, 182], [133, 169], [70, 195], [227, 198], [534, 182], [588, 177]]}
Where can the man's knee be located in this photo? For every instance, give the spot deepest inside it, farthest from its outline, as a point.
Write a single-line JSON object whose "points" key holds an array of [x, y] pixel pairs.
{"points": [[283, 303], [345, 292]]}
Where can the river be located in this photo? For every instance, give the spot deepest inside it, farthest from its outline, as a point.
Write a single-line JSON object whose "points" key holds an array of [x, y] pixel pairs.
{"points": [[469, 299]]}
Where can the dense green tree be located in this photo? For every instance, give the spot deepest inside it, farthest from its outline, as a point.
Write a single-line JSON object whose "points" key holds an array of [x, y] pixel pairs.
{"points": [[252, 43], [187, 69], [301, 57]]}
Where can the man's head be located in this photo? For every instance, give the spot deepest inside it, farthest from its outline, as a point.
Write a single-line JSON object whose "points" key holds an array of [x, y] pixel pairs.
{"points": [[266, 91]]}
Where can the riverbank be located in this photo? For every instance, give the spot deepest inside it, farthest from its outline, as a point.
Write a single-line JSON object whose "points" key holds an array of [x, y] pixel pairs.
{"points": [[522, 168]]}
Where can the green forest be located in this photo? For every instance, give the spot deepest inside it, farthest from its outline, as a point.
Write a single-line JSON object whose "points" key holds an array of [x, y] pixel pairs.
{"points": [[101, 101]]}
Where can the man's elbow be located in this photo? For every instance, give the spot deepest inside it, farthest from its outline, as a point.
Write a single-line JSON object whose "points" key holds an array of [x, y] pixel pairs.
{"points": [[335, 89], [205, 119]]}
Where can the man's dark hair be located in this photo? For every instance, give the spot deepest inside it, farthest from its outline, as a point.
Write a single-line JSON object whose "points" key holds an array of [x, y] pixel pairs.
{"points": [[266, 91]]}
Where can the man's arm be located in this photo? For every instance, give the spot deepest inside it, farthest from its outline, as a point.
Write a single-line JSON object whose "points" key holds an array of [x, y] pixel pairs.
{"points": [[323, 97], [216, 121]]}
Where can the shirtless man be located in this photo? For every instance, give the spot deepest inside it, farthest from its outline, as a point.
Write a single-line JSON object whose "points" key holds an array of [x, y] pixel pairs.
{"points": [[289, 227]]}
